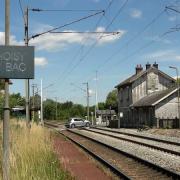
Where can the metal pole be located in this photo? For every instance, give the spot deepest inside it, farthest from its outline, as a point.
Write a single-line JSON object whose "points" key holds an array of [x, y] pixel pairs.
{"points": [[33, 103], [27, 80], [87, 101], [96, 103], [6, 102], [42, 121], [177, 73], [56, 107]]}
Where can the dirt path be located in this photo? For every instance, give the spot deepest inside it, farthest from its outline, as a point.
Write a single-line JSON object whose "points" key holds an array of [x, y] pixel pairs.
{"points": [[76, 161]]}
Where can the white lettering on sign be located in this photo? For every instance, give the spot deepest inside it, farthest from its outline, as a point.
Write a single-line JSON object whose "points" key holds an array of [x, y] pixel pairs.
{"points": [[15, 67], [13, 61]]}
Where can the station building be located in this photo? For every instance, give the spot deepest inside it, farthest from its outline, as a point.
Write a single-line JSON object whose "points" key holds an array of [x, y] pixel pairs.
{"points": [[148, 98]]}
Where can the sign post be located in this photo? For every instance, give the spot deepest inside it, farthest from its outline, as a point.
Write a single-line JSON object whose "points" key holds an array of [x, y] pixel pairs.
{"points": [[16, 62], [5, 164]]}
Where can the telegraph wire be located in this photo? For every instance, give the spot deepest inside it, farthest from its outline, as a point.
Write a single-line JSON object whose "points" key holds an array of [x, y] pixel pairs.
{"points": [[78, 52], [67, 24], [63, 77], [88, 32], [131, 39], [21, 9], [96, 42], [138, 50], [64, 10], [172, 9]]}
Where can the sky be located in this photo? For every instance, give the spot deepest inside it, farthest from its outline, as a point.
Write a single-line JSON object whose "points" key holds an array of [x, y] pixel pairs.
{"points": [[65, 61]]}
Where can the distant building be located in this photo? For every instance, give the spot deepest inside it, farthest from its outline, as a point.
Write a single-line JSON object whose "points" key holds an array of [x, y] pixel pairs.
{"points": [[105, 116], [149, 98]]}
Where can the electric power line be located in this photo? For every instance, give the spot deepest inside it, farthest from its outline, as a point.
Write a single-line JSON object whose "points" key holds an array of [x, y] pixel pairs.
{"points": [[20, 5], [138, 50], [88, 32], [172, 9], [67, 24], [65, 10], [63, 77], [133, 38], [96, 42]]}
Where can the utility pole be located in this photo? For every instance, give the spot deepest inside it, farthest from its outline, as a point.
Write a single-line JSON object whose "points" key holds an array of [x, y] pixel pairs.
{"points": [[42, 121], [96, 100], [87, 91], [27, 80], [177, 82], [56, 106], [33, 99], [6, 101]]}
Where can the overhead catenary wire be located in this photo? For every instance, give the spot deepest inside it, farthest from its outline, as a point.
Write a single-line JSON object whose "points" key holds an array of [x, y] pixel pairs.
{"points": [[64, 10], [67, 24], [172, 8], [137, 51], [96, 42], [88, 32], [63, 76], [21, 9], [131, 40]]}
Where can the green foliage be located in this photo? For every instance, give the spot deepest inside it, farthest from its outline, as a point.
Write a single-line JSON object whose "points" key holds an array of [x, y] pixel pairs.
{"points": [[111, 100], [101, 105], [64, 110], [16, 100]]}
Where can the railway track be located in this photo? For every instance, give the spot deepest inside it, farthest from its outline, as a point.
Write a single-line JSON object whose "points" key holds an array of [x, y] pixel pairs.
{"points": [[139, 136], [154, 144], [123, 164]]}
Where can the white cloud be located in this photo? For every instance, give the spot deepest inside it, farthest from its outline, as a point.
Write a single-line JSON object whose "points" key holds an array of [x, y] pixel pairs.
{"points": [[40, 61], [13, 40], [136, 13], [178, 57], [56, 42], [172, 18], [164, 55]]}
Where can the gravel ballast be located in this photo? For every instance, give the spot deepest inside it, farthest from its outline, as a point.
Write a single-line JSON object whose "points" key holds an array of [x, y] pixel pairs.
{"points": [[162, 159]]}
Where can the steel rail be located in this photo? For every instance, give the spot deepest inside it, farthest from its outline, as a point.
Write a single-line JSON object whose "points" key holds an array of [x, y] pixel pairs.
{"points": [[136, 142], [166, 171], [140, 136], [158, 168], [97, 157]]}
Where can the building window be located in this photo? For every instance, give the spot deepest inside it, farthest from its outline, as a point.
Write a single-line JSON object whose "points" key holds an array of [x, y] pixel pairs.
{"points": [[127, 93], [121, 95]]}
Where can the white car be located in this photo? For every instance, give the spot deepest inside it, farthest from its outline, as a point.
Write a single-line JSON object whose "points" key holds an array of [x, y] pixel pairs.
{"points": [[77, 122]]}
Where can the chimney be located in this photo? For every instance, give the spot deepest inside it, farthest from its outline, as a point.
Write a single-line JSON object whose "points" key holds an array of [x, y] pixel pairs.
{"points": [[148, 65], [139, 68], [155, 65]]}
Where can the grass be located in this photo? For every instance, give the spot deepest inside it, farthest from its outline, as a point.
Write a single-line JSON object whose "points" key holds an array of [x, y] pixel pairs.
{"points": [[31, 154]]}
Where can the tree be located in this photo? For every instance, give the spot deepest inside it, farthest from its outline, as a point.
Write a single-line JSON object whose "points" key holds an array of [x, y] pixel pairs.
{"points": [[15, 99], [101, 106], [111, 100]]}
